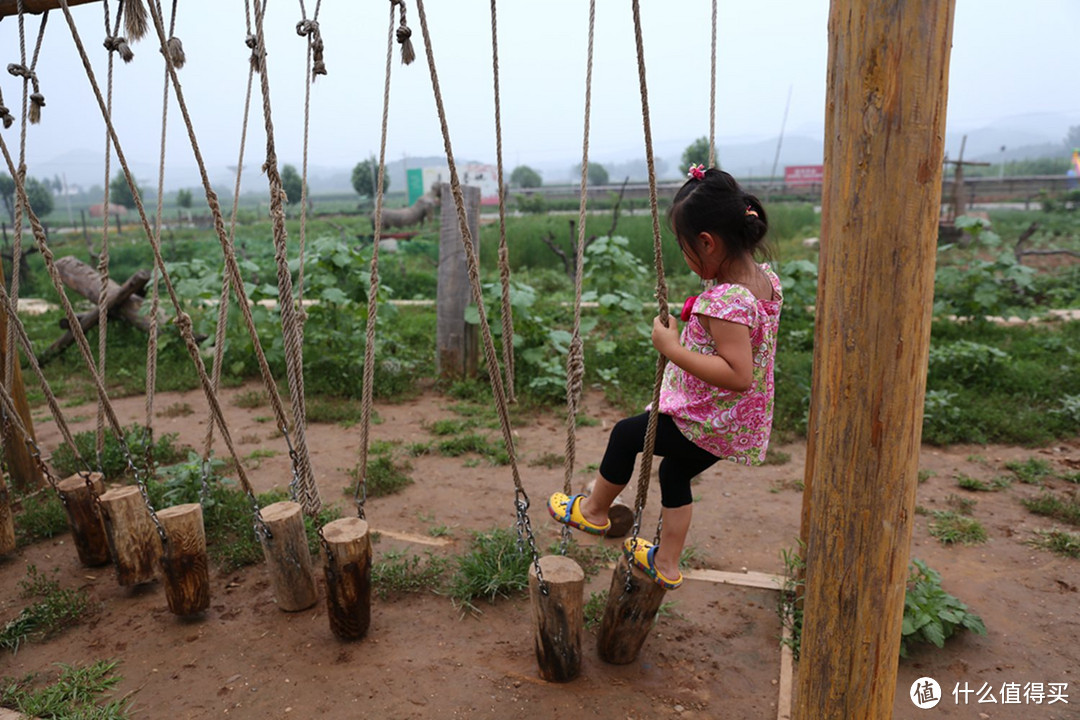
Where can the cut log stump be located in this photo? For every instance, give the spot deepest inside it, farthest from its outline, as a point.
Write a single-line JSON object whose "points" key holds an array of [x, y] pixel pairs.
{"points": [[184, 566], [133, 537], [347, 564], [629, 615], [287, 557], [558, 617], [80, 494]]}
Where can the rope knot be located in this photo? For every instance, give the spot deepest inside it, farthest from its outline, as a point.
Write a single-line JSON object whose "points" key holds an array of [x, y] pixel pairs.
{"points": [[175, 49], [310, 29], [5, 116], [250, 41], [37, 101], [306, 27], [403, 34], [119, 44], [20, 70], [183, 321]]}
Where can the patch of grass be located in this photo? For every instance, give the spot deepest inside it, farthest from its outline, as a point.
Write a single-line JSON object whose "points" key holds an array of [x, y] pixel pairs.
{"points": [[385, 476], [439, 531], [962, 505], [594, 609], [250, 399], [548, 460], [1060, 542], [493, 568], [451, 426], [113, 461], [1050, 505], [969, 483], [795, 484], [691, 556], [176, 410], [341, 410], [951, 528], [53, 611], [41, 516], [925, 475], [399, 574], [75, 695], [591, 558], [1031, 471], [417, 449], [776, 457], [494, 451], [788, 607], [248, 439]]}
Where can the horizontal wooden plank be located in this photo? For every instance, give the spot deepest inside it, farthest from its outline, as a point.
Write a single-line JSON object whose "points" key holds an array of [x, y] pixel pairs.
{"points": [[11, 7]]}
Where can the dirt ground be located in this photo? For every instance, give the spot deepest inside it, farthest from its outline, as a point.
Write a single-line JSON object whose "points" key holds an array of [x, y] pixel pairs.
{"points": [[716, 655]]}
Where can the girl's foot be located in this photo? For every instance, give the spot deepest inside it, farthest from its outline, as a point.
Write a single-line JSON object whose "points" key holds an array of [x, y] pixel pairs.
{"points": [[568, 511], [642, 555]]}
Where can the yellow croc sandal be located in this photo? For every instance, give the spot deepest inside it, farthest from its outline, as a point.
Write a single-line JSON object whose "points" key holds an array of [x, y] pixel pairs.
{"points": [[567, 510], [640, 554]]}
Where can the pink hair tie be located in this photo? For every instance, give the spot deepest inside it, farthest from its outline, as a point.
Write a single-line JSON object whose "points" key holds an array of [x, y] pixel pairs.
{"points": [[697, 172], [688, 309], [751, 211]]}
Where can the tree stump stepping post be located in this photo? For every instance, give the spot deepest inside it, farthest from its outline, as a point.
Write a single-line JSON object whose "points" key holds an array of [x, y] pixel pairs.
{"points": [[558, 617], [184, 566], [629, 614], [346, 546], [287, 556], [79, 494], [133, 538]]}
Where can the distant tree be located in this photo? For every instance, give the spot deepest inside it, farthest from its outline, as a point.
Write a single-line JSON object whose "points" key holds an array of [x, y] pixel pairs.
{"points": [[40, 196], [365, 178], [525, 177], [292, 184], [696, 153], [598, 175], [1072, 140], [7, 193], [183, 198], [120, 192]]}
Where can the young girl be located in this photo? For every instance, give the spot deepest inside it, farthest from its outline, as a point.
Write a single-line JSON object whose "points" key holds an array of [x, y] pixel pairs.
{"points": [[716, 400]]}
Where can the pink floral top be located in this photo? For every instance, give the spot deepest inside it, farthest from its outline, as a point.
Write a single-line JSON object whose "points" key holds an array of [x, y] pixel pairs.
{"points": [[730, 425]]}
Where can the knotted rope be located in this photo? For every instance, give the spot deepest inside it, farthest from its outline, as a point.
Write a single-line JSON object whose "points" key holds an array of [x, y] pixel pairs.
{"points": [[575, 359], [504, 254], [315, 67], [360, 496], [403, 35], [134, 18], [661, 285], [29, 73]]}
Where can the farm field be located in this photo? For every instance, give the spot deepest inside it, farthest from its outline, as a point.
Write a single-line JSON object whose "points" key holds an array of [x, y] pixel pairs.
{"points": [[713, 653]]}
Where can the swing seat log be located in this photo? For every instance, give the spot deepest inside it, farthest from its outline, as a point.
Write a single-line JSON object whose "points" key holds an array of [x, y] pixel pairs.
{"points": [[629, 615], [79, 494], [347, 565], [184, 566], [558, 617], [287, 556], [133, 538]]}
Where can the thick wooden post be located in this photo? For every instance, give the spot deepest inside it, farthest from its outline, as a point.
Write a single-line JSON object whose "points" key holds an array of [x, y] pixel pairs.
{"points": [[24, 473], [456, 341], [133, 537], [558, 617], [184, 566], [80, 494], [7, 520], [629, 615], [287, 557], [347, 564], [885, 126]]}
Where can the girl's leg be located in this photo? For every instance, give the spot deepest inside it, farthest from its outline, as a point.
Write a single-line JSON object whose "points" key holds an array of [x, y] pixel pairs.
{"points": [[672, 540], [595, 506]]}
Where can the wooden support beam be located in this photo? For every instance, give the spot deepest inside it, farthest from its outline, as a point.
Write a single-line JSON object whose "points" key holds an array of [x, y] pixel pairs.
{"points": [[11, 7], [455, 339], [23, 471], [887, 85]]}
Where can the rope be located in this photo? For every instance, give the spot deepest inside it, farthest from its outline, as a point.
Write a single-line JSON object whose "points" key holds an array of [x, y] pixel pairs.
{"points": [[310, 29], [290, 326], [504, 255], [521, 497], [712, 94], [183, 320], [360, 495], [575, 359], [661, 286]]}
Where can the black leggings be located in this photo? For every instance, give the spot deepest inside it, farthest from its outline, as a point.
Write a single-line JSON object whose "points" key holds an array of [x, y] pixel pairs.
{"points": [[682, 458]]}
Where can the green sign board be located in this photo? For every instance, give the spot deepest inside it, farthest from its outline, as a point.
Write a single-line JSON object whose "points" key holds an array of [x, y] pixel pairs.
{"points": [[414, 178]]}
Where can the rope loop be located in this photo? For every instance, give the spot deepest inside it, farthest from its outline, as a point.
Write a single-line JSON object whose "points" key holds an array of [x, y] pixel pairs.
{"points": [[310, 29], [306, 27], [20, 70]]}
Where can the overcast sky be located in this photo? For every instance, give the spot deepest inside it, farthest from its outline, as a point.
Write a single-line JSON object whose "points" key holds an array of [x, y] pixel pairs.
{"points": [[1009, 58]]}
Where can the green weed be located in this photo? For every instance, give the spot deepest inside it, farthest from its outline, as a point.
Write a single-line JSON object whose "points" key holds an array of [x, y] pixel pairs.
{"points": [[776, 457], [969, 483], [494, 567], [250, 399], [962, 505], [594, 609], [342, 411], [114, 463], [74, 696], [789, 606], [399, 574], [451, 426], [176, 410], [1052, 506], [494, 451], [1056, 541], [931, 614], [591, 558], [1031, 471], [52, 611], [41, 516], [950, 528], [385, 476], [925, 475], [548, 460]]}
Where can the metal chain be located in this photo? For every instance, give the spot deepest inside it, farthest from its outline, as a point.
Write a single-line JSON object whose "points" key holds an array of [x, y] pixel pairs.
{"points": [[524, 528]]}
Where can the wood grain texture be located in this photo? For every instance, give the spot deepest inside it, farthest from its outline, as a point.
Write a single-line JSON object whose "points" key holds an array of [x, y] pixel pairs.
{"points": [[133, 538], [184, 565], [885, 120], [347, 565], [288, 559], [629, 615], [558, 617], [80, 495]]}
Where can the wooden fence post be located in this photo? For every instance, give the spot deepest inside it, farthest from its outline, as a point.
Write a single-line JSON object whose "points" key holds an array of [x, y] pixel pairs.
{"points": [[884, 129], [25, 474], [456, 340]]}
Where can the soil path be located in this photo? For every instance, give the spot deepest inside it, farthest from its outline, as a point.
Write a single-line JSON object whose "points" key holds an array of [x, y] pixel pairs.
{"points": [[714, 655]]}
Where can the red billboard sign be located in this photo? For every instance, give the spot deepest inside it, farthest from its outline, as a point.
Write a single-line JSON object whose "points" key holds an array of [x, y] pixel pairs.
{"points": [[803, 174]]}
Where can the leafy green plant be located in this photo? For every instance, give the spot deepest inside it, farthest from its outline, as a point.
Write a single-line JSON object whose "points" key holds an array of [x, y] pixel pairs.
{"points": [[1057, 541], [41, 516], [789, 606], [496, 566], [385, 475], [114, 463], [53, 611], [399, 574], [931, 614], [594, 609], [74, 696], [1031, 471], [966, 362], [950, 528]]}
